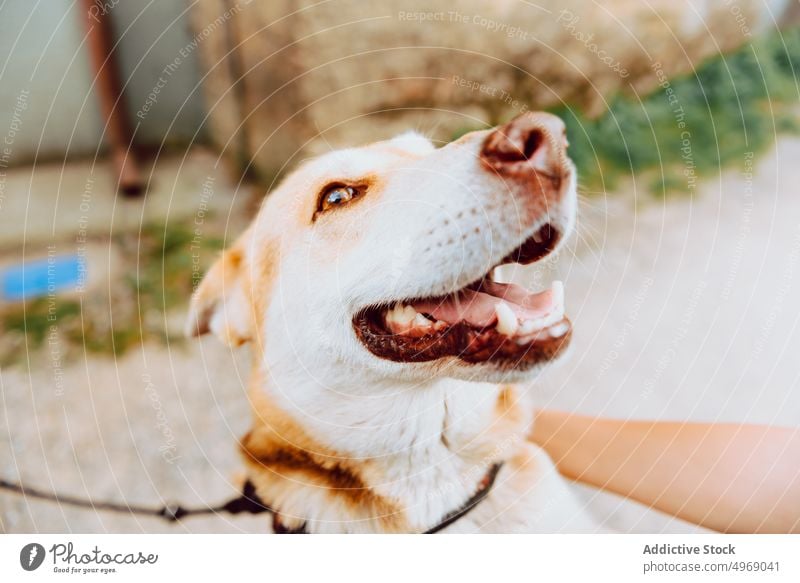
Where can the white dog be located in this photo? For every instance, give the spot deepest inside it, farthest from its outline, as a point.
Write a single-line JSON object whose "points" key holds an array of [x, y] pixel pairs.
{"points": [[382, 346]]}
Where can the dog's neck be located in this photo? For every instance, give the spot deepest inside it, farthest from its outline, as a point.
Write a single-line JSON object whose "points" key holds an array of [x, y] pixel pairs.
{"points": [[417, 449]]}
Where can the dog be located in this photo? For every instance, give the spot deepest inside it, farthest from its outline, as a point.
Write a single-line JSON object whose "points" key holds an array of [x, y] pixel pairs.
{"points": [[391, 371]]}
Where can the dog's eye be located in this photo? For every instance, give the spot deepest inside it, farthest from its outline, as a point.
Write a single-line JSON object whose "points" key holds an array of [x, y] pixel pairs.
{"points": [[338, 195]]}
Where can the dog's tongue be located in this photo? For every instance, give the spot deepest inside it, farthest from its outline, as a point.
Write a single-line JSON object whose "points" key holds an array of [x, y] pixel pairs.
{"points": [[479, 307]]}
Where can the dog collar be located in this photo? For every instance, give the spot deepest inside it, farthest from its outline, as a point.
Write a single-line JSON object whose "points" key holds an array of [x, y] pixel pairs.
{"points": [[484, 487], [247, 502]]}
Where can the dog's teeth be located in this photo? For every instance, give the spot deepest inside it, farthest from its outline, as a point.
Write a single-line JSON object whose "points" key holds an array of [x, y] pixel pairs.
{"points": [[527, 327], [558, 330], [507, 323], [537, 236], [404, 314], [525, 339], [421, 321], [401, 315]]}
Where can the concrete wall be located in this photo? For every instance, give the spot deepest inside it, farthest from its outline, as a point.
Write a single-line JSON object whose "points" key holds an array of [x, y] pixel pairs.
{"points": [[47, 106], [45, 103], [153, 35]]}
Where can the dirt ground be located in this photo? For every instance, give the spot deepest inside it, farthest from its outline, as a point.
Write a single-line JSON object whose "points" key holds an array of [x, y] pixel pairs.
{"points": [[682, 310]]}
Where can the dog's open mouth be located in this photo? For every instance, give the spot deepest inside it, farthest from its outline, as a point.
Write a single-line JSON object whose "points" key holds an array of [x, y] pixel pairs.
{"points": [[485, 321]]}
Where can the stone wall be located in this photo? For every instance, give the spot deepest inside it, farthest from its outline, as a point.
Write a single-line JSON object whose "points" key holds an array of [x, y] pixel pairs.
{"points": [[292, 78]]}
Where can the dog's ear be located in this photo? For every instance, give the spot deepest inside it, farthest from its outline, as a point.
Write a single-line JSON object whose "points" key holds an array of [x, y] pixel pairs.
{"points": [[220, 304]]}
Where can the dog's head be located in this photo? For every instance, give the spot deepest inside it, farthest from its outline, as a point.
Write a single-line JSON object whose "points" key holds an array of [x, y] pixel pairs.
{"points": [[380, 259]]}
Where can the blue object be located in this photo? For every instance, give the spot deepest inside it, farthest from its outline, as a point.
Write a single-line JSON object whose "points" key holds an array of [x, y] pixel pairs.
{"points": [[42, 277]]}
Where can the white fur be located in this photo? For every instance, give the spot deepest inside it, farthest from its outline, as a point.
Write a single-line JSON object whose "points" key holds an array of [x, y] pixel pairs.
{"points": [[429, 429]]}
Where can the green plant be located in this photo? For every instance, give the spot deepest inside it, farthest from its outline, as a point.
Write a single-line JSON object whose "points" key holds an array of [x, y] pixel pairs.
{"points": [[161, 265], [731, 105]]}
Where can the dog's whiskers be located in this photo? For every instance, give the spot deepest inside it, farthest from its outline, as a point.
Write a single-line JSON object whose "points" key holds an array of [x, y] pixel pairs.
{"points": [[588, 229]]}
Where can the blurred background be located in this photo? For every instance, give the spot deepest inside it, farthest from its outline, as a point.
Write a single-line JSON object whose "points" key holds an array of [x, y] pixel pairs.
{"points": [[137, 138]]}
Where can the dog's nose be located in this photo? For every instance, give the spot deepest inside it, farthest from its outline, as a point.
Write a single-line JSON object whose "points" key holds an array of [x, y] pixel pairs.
{"points": [[530, 143]]}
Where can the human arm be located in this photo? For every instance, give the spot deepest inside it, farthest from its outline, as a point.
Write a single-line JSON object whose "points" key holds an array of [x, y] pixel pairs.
{"points": [[727, 477]]}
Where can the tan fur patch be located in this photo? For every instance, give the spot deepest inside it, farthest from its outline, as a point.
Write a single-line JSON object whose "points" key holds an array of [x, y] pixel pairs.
{"points": [[296, 467], [278, 450], [401, 153], [259, 280], [208, 297], [507, 406]]}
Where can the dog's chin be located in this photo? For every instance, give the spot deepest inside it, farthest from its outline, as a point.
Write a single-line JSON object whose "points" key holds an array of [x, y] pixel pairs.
{"points": [[485, 330], [496, 373]]}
